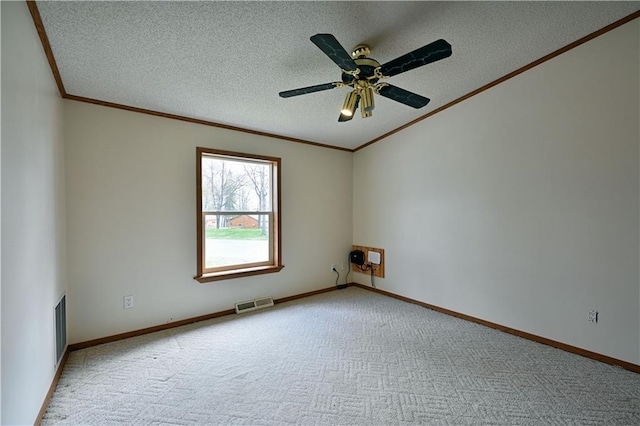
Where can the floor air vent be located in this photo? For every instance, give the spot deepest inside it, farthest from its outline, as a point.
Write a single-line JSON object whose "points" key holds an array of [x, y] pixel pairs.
{"points": [[252, 305]]}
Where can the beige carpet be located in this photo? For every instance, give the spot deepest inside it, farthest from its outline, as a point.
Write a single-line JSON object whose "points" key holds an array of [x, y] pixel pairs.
{"points": [[349, 357]]}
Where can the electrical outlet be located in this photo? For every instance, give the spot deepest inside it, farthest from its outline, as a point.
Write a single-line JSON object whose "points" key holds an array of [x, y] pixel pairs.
{"points": [[333, 266], [593, 316], [128, 302]]}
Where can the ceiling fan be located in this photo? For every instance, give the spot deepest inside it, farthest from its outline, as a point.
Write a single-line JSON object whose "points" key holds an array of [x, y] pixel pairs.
{"points": [[362, 73]]}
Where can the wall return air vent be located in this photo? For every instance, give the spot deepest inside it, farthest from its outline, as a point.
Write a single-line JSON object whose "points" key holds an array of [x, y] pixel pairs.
{"points": [[252, 305], [60, 317]]}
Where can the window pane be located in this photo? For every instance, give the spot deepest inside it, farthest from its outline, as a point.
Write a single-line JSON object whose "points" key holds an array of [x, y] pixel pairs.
{"points": [[230, 185], [258, 178], [236, 239]]}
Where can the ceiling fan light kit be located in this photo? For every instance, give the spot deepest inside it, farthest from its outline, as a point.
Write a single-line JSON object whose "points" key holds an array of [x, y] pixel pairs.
{"points": [[367, 99], [350, 104], [362, 74]]}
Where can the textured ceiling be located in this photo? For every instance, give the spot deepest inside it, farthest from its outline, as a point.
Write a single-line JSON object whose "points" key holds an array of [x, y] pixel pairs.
{"points": [[225, 62]]}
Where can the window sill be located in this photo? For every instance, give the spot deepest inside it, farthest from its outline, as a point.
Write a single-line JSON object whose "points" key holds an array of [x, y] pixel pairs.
{"points": [[238, 273]]}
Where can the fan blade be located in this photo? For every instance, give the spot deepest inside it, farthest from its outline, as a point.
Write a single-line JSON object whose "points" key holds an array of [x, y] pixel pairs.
{"points": [[334, 50], [310, 89], [403, 96], [344, 118], [435, 51]]}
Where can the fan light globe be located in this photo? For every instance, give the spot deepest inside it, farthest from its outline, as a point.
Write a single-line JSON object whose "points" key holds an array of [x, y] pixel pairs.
{"points": [[349, 104], [367, 99]]}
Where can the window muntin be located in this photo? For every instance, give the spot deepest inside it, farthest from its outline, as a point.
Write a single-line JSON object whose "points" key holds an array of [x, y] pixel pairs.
{"points": [[238, 214]]}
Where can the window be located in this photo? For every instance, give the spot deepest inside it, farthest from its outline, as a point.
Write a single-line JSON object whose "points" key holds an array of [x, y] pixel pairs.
{"points": [[238, 197]]}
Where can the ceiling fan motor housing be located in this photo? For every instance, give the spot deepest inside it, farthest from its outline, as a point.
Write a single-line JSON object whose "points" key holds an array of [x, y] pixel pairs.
{"points": [[367, 68]]}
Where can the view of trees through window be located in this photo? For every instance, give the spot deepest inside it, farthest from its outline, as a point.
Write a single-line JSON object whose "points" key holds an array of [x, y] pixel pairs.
{"points": [[237, 211]]}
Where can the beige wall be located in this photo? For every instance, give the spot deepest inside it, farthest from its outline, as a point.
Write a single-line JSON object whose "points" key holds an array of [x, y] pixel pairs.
{"points": [[33, 234], [520, 205], [131, 219]]}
